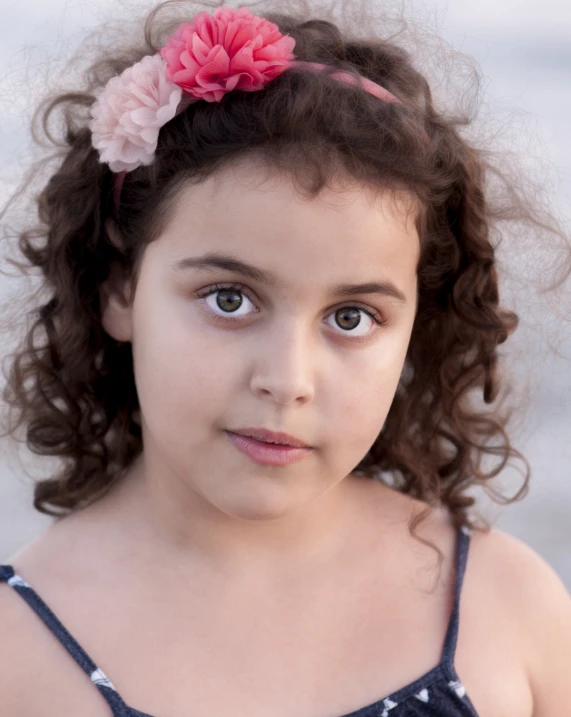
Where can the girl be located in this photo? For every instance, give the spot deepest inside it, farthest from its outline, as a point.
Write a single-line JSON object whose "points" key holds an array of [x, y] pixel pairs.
{"points": [[272, 308]]}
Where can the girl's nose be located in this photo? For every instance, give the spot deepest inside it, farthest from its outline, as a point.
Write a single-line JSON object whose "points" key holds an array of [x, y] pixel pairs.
{"points": [[285, 364]]}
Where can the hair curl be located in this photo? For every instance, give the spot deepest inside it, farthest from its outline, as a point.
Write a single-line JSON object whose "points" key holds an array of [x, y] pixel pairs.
{"points": [[71, 385]]}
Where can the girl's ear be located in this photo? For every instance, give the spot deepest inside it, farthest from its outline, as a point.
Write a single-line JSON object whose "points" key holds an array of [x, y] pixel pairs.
{"points": [[115, 295]]}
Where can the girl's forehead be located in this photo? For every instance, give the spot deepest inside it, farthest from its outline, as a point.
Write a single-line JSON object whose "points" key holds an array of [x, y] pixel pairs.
{"points": [[247, 183], [238, 208]]}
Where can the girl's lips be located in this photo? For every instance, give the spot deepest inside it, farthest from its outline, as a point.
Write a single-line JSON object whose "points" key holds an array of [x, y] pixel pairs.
{"points": [[267, 436], [267, 453]]}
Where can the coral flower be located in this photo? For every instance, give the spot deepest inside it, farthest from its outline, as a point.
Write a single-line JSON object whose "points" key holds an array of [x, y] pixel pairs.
{"points": [[229, 50]]}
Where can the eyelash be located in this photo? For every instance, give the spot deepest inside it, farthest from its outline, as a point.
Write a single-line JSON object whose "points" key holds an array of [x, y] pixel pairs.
{"points": [[207, 291]]}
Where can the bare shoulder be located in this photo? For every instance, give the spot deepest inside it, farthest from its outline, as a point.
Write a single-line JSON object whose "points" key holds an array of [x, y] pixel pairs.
{"points": [[37, 674], [538, 600], [522, 574], [30, 662], [14, 628]]}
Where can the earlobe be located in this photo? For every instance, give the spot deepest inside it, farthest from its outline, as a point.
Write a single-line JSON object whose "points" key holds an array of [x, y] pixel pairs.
{"points": [[115, 294], [116, 308], [114, 235], [116, 312]]}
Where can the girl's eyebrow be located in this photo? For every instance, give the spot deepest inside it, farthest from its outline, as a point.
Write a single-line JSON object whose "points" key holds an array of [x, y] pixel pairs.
{"points": [[213, 260]]}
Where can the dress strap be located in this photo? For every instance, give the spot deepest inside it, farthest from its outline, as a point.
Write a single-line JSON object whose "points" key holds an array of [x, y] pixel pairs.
{"points": [[462, 545], [97, 676]]}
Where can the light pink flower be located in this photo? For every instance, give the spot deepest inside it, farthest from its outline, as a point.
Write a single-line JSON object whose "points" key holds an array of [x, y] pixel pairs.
{"points": [[229, 50], [129, 112]]}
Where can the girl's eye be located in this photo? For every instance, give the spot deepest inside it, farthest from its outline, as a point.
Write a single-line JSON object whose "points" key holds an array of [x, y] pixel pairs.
{"points": [[350, 319], [226, 302], [230, 301]]}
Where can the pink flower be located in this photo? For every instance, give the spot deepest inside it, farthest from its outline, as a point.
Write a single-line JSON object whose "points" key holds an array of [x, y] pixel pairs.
{"points": [[129, 112], [229, 50]]}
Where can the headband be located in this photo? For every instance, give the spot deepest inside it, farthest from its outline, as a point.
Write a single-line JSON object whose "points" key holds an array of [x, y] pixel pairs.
{"points": [[203, 60]]}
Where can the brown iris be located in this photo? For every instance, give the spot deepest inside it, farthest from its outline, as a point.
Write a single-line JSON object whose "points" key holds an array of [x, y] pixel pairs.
{"points": [[348, 315], [229, 299]]}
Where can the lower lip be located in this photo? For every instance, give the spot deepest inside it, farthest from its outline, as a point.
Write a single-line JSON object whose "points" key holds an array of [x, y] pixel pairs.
{"points": [[267, 453]]}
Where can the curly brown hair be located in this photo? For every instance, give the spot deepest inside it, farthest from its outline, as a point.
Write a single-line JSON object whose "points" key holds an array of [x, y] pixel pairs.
{"points": [[71, 385]]}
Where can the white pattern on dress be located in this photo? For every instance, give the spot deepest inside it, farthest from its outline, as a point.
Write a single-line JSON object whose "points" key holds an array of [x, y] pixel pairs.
{"points": [[422, 695], [458, 688], [17, 580], [98, 677], [389, 704], [466, 530]]}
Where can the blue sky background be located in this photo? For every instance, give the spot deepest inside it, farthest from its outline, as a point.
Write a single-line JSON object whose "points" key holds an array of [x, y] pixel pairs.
{"points": [[524, 51]]}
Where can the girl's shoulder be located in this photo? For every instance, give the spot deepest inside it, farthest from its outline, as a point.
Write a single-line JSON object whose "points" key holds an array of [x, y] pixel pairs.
{"points": [[36, 675], [526, 591]]}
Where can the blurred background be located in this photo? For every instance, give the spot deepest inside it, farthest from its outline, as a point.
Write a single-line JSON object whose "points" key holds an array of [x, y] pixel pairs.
{"points": [[524, 51]]}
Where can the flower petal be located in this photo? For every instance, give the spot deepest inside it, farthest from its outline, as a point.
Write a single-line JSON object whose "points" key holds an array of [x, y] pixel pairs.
{"points": [[231, 49], [128, 113]]}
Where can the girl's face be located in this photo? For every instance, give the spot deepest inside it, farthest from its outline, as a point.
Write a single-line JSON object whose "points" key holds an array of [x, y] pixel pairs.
{"points": [[278, 340]]}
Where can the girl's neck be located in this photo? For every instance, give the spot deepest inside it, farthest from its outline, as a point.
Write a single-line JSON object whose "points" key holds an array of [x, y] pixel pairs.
{"points": [[179, 527]]}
